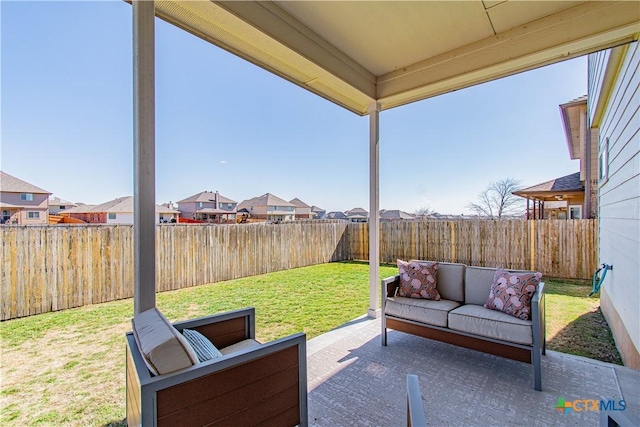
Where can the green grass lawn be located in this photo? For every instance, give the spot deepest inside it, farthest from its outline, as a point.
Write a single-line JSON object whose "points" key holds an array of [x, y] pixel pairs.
{"points": [[68, 367]]}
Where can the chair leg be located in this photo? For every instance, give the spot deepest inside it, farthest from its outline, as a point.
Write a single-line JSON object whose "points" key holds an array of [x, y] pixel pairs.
{"points": [[536, 357], [383, 332]]}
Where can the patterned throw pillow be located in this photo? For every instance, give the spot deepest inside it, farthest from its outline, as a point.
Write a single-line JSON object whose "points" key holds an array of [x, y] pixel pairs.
{"points": [[511, 293], [202, 346], [418, 280]]}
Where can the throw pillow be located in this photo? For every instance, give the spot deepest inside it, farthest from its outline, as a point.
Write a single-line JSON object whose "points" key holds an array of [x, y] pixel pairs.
{"points": [[418, 280], [511, 293], [201, 345]]}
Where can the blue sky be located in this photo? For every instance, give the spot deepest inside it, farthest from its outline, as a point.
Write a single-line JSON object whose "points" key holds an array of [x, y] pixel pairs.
{"points": [[224, 124]]}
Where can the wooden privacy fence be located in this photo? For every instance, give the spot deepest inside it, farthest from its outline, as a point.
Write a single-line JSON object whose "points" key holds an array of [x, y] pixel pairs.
{"points": [[49, 268], [557, 248]]}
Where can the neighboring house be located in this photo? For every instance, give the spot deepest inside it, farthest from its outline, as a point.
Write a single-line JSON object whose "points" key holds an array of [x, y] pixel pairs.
{"points": [[22, 203], [336, 215], [395, 215], [303, 210], [564, 197], [318, 213], [560, 198], [614, 116], [57, 205], [357, 215], [269, 208], [117, 211], [208, 206]]}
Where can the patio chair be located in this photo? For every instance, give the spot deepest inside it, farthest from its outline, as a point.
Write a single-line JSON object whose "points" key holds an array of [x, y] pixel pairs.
{"points": [[251, 384]]}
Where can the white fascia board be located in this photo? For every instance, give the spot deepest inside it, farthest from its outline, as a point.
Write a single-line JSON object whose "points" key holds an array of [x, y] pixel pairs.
{"points": [[577, 31]]}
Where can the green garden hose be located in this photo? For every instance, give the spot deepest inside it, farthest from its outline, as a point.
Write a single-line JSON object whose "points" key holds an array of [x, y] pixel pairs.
{"points": [[597, 281]]}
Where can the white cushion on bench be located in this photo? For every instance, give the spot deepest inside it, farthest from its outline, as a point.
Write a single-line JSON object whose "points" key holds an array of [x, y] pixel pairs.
{"points": [[239, 346], [163, 348], [477, 320], [421, 310]]}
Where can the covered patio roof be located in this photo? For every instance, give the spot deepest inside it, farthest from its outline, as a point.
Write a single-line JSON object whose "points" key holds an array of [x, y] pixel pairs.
{"points": [[366, 56], [354, 53], [562, 187]]}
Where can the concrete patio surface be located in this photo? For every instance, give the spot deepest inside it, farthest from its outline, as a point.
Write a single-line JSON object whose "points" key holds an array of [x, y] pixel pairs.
{"points": [[355, 381]]}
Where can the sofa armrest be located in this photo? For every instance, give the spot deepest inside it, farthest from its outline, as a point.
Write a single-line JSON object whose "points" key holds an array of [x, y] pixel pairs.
{"points": [[538, 306], [389, 286], [224, 329]]}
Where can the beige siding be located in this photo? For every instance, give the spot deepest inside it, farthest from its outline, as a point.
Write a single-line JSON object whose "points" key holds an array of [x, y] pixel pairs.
{"points": [[619, 197]]}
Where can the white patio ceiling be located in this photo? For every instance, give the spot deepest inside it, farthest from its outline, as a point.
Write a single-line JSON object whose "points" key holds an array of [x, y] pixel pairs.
{"points": [[391, 52]]}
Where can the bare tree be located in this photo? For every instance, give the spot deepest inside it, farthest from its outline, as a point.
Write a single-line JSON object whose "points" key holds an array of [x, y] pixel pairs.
{"points": [[423, 212], [497, 200]]}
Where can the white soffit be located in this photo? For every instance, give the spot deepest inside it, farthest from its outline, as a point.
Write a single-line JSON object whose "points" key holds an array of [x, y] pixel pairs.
{"points": [[355, 53]]}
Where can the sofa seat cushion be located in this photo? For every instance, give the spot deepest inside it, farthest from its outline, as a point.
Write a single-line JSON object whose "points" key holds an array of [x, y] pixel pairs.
{"points": [[240, 346], [163, 348], [421, 310], [477, 320]]}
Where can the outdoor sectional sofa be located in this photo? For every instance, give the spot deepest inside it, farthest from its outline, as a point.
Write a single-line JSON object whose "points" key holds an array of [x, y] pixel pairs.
{"points": [[248, 384], [459, 317]]}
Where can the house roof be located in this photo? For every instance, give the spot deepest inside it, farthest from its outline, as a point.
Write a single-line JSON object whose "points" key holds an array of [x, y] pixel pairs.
{"points": [[570, 113], [11, 184], [418, 49], [395, 214], [336, 215], [357, 212], [299, 203], [563, 185], [57, 201], [117, 205], [267, 199], [207, 196], [317, 209]]}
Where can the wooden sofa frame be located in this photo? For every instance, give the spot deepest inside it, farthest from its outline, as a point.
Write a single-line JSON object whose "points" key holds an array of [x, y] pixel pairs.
{"points": [[258, 386], [523, 353]]}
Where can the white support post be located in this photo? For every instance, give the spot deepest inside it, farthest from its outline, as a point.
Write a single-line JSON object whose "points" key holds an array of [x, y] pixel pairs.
{"points": [[144, 224], [374, 211]]}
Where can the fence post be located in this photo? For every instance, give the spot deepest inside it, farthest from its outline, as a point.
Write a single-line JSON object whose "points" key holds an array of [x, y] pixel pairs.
{"points": [[452, 226], [532, 244]]}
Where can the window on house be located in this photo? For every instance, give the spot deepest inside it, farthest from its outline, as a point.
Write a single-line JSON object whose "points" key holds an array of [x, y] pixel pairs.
{"points": [[33, 215], [62, 207], [112, 215], [604, 162], [26, 196], [200, 204], [575, 212]]}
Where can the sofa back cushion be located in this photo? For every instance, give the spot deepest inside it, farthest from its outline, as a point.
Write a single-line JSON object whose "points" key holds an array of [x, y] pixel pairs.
{"points": [[478, 281], [163, 348], [450, 283], [477, 284]]}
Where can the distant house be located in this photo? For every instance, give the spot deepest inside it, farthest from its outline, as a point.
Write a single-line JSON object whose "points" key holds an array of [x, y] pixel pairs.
{"points": [[22, 203], [573, 196], [269, 208], [57, 205], [116, 211], [303, 210], [560, 198], [336, 215], [318, 213], [208, 206], [395, 215], [357, 215]]}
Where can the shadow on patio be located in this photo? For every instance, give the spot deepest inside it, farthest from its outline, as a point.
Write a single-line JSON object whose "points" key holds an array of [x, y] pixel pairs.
{"points": [[353, 380]]}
